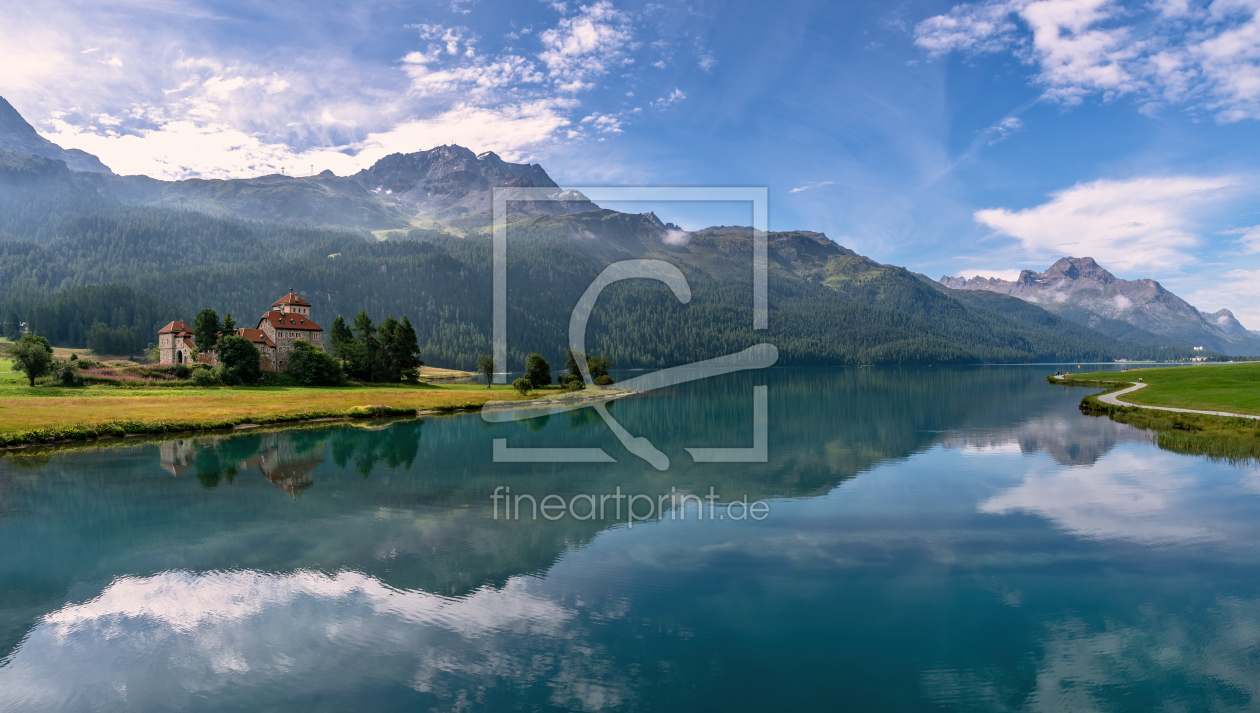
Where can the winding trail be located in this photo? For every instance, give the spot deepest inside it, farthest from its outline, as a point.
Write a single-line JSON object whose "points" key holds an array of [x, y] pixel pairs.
{"points": [[1115, 401]]}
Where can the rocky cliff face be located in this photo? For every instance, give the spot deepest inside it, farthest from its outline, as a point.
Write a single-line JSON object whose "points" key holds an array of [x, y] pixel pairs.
{"points": [[449, 181], [20, 137], [1080, 288]]}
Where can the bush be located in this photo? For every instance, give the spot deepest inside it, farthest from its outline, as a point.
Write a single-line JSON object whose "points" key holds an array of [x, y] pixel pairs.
{"points": [[522, 386], [226, 376], [271, 378], [311, 366], [604, 380], [67, 374], [240, 361], [202, 377], [182, 371]]}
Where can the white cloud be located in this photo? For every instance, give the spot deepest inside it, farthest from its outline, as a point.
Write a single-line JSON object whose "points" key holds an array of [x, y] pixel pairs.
{"points": [[670, 99], [1003, 129], [603, 123], [1208, 60], [676, 237], [708, 61], [1137, 223], [1249, 238], [1238, 290], [183, 149], [478, 77], [587, 45], [807, 186]]}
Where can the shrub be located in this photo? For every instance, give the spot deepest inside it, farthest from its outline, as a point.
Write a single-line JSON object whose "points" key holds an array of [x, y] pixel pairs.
{"points": [[203, 377], [522, 386], [226, 376], [182, 371], [240, 361], [604, 380], [67, 374], [311, 366]]}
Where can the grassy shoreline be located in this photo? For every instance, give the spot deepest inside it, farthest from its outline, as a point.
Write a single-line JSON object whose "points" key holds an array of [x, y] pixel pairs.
{"points": [[46, 414], [1233, 388]]}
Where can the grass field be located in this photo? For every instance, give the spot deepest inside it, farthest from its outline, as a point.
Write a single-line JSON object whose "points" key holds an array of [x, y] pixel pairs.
{"points": [[23, 408], [1233, 388], [1210, 387]]}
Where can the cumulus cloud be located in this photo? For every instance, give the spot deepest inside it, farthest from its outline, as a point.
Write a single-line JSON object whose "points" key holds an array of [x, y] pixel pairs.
{"points": [[1208, 60], [1136, 223], [603, 123], [587, 45]]}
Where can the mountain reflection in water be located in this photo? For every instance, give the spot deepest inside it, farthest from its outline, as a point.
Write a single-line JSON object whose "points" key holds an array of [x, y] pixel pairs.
{"points": [[944, 538]]}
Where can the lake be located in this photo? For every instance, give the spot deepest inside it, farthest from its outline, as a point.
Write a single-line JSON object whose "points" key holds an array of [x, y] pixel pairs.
{"points": [[927, 539]]}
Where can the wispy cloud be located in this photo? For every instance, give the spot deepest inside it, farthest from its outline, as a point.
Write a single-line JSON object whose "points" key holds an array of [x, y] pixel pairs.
{"points": [[807, 186], [1000, 131], [1136, 223], [1208, 59], [1248, 238], [670, 99]]}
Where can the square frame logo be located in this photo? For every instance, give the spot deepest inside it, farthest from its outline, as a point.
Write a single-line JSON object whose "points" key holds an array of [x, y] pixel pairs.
{"points": [[759, 356]]}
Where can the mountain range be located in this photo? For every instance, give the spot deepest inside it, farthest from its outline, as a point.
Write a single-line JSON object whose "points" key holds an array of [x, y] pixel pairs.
{"points": [[409, 236], [1081, 290]]}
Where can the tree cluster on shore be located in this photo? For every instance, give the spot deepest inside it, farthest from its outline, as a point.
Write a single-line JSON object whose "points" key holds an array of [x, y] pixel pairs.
{"points": [[538, 372]]}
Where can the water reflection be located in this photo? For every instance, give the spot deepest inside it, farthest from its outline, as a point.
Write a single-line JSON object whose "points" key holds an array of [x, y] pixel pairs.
{"points": [[958, 538]]}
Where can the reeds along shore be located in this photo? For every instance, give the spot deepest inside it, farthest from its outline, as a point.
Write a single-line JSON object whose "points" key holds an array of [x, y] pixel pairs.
{"points": [[1231, 439]]}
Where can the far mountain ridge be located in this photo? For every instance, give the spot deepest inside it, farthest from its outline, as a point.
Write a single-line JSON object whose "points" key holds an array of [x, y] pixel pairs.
{"points": [[1082, 290]]}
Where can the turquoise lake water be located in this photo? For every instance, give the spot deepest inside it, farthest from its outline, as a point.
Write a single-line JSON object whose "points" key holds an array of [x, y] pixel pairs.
{"points": [[931, 539]]}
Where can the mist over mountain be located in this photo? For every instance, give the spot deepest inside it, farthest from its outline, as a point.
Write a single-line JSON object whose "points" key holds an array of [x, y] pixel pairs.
{"points": [[1083, 291]]}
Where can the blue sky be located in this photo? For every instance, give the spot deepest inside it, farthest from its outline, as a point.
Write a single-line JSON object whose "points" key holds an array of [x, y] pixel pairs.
{"points": [[978, 138]]}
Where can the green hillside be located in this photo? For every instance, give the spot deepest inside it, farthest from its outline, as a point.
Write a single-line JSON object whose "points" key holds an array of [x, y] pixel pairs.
{"points": [[828, 305]]}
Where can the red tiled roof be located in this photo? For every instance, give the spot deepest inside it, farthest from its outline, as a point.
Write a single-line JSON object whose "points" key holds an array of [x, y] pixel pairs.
{"points": [[291, 299], [176, 327], [257, 336], [289, 321], [189, 343]]}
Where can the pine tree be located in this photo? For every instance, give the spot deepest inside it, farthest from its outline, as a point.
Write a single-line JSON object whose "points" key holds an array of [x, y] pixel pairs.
{"points": [[206, 330]]}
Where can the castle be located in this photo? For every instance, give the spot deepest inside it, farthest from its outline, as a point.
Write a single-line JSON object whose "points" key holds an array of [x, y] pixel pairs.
{"points": [[288, 321]]}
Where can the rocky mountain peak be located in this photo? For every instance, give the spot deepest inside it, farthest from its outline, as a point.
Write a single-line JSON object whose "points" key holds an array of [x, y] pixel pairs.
{"points": [[1078, 268], [1082, 290], [453, 178], [18, 136]]}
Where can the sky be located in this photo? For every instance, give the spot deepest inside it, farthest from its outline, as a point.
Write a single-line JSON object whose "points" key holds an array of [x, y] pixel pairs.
{"points": [[954, 139]]}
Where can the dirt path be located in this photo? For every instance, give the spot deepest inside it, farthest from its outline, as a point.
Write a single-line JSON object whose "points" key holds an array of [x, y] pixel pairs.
{"points": [[1115, 401]]}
